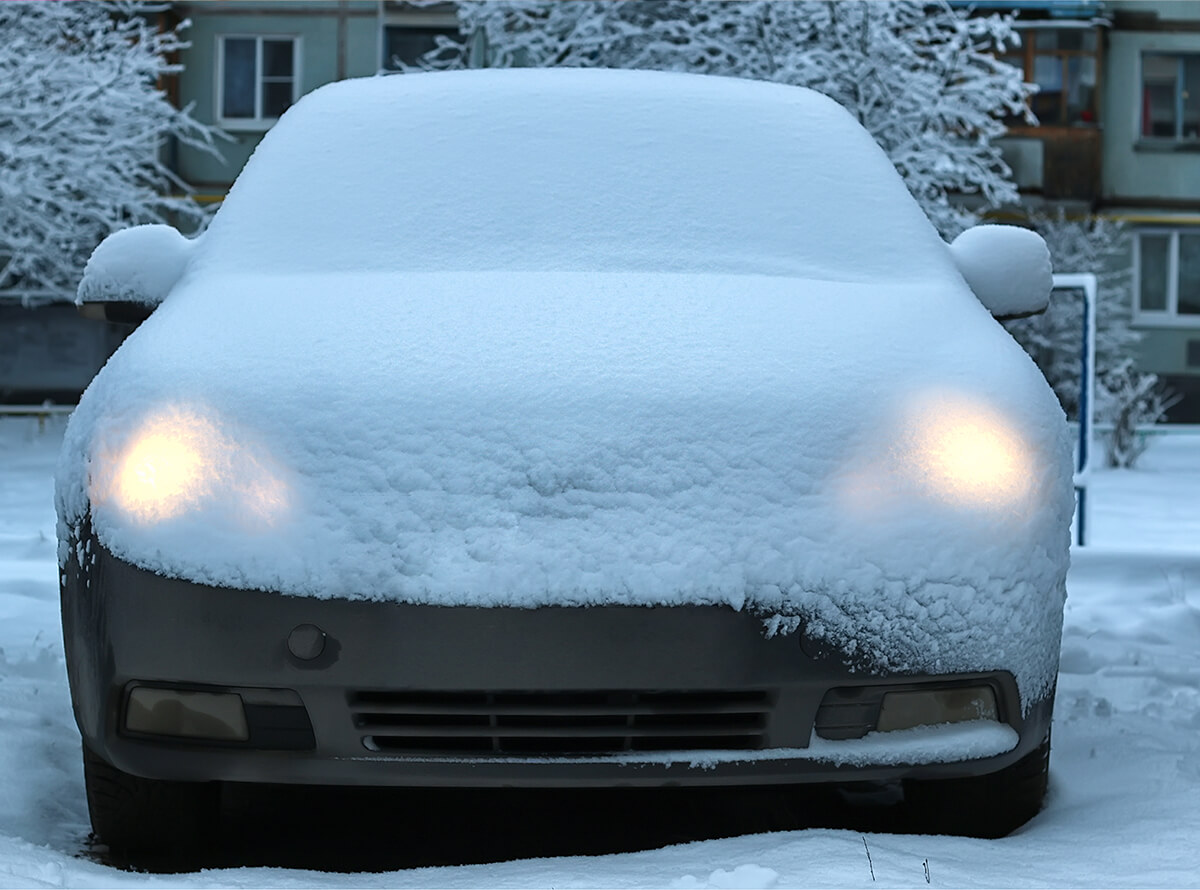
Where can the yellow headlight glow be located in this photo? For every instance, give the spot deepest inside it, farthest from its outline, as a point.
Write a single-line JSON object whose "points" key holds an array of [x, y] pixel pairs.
{"points": [[160, 475], [178, 460], [940, 446], [968, 454]]}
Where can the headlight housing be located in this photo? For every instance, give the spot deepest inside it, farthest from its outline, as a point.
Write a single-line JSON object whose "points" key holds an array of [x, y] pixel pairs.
{"points": [[931, 707]]}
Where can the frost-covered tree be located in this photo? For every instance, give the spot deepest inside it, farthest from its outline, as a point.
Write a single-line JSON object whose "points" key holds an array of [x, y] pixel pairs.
{"points": [[1125, 396], [921, 77], [1054, 338], [82, 120], [1133, 398]]}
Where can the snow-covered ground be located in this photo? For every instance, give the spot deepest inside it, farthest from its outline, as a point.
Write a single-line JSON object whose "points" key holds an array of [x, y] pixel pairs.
{"points": [[1124, 806]]}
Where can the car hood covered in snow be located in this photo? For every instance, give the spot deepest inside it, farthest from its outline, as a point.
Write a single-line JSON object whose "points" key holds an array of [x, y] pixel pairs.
{"points": [[596, 431], [498, 439]]}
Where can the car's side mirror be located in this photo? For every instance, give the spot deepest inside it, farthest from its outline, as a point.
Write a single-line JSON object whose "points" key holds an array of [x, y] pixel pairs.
{"points": [[1007, 267], [131, 272]]}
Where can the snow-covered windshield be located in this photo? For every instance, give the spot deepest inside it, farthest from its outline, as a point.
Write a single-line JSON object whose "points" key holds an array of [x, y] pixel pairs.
{"points": [[571, 171]]}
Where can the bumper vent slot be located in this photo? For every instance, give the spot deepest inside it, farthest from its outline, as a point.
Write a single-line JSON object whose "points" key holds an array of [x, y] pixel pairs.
{"points": [[560, 723]]}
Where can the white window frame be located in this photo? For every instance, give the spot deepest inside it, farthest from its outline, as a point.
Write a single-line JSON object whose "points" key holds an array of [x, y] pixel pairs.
{"points": [[1170, 316], [258, 122]]}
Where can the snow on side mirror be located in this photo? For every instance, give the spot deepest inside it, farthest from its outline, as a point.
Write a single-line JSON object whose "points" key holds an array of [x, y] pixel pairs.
{"points": [[131, 272], [1007, 267]]}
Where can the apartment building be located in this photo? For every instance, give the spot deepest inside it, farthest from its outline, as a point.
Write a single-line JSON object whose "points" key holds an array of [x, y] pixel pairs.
{"points": [[1118, 108], [1151, 179], [248, 61], [1119, 136]]}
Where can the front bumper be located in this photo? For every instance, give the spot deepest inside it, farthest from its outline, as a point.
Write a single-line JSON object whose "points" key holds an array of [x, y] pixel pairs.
{"points": [[410, 695]]}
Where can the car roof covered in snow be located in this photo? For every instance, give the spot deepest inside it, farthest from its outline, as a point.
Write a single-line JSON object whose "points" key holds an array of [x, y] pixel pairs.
{"points": [[572, 170]]}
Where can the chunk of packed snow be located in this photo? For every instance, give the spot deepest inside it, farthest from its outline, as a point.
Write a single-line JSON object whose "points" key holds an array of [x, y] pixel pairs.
{"points": [[139, 264], [1007, 267], [660, 340], [744, 877]]}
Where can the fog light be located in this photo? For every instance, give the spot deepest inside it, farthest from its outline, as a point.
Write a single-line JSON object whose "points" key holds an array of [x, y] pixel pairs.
{"points": [[195, 715], [904, 710]]}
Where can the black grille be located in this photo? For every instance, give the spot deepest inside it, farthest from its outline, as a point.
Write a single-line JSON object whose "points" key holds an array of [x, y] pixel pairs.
{"points": [[560, 723]]}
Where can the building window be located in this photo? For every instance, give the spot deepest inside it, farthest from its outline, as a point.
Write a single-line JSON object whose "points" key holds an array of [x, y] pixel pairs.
{"points": [[406, 44], [1062, 62], [1170, 96], [1193, 353], [257, 78], [1167, 276]]}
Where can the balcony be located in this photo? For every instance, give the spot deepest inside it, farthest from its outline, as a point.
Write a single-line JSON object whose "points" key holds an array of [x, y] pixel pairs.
{"points": [[1058, 162]]}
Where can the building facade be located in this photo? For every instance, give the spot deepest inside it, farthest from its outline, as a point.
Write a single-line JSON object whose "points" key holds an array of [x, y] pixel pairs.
{"points": [[1118, 105], [1118, 109], [248, 61], [1118, 135], [1151, 179]]}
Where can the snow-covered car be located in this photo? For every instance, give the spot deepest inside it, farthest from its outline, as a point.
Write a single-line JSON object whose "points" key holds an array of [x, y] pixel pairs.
{"points": [[564, 428]]}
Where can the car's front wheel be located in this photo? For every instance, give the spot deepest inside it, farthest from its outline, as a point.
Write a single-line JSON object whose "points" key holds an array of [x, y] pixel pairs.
{"points": [[134, 816], [982, 806]]}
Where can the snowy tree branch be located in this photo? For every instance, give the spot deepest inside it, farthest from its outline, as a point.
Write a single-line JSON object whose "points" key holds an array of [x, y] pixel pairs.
{"points": [[81, 126]]}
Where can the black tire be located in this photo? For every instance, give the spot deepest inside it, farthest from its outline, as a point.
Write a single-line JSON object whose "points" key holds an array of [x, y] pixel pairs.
{"points": [[988, 806], [133, 816]]}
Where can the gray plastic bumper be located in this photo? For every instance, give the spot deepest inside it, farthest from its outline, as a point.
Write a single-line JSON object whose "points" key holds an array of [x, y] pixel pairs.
{"points": [[406, 695]]}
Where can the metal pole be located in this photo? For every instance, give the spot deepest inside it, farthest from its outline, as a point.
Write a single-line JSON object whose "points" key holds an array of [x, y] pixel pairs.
{"points": [[1085, 284]]}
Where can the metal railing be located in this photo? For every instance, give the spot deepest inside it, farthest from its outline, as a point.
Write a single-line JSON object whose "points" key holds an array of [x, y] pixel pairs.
{"points": [[36, 410], [1086, 283], [42, 412]]}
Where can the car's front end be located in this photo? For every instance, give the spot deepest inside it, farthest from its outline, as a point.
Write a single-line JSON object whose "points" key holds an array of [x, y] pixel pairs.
{"points": [[645, 495], [644, 589]]}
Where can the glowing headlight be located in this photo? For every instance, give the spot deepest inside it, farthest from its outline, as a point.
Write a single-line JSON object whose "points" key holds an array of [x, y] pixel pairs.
{"points": [[946, 447], [178, 460], [165, 469], [968, 454]]}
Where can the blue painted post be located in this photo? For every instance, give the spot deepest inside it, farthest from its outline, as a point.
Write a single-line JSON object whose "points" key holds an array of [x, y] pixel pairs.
{"points": [[1086, 284]]}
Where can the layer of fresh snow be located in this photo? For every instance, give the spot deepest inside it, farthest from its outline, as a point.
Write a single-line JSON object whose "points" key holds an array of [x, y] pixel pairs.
{"points": [[921, 744], [494, 440], [570, 170], [668, 339], [1123, 806]]}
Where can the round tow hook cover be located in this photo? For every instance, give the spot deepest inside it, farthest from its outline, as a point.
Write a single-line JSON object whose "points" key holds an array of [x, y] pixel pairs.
{"points": [[306, 641]]}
